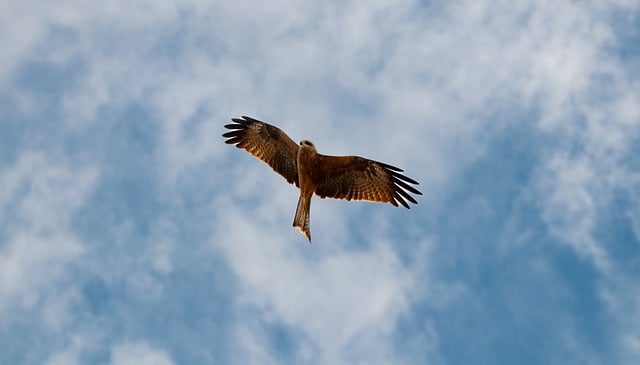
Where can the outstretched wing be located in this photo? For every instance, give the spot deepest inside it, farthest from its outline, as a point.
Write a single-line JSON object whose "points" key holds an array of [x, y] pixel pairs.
{"points": [[358, 178], [268, 143]]}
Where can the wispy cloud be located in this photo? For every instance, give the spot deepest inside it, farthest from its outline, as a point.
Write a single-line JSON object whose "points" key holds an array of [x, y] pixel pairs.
{"points": [[133, 233], [39, 198], [138, 353]]}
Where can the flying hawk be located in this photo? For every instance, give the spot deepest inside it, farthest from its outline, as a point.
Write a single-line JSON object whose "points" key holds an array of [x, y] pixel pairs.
{"points": [[341, 177]]}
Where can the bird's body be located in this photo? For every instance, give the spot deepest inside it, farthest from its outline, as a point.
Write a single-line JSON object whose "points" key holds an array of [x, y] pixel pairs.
{"points": [[341, 177], [307, 161]]}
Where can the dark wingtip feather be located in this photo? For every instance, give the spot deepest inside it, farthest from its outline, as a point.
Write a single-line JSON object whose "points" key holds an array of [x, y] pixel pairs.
{"points": [[391, 167], [232, 134], [249, 119], [235, 126], [405, 178], [406, 196], [407, 186], [402, 186], [399, 199], [240, 122], [236, 130], [233, 140]]}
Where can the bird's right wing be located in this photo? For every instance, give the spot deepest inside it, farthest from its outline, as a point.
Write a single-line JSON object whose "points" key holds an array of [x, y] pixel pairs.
{"points": [[266, 142], [358, 178]]}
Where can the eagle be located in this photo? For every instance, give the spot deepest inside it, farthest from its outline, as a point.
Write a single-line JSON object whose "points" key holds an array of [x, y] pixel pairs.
{"points": [[340, 177]]}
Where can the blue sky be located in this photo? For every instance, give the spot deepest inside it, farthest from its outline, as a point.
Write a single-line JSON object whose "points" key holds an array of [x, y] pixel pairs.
{"points": [[131, 234]]}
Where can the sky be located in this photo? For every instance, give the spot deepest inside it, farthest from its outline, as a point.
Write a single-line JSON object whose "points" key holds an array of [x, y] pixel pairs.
{"points": [[131, 234]]}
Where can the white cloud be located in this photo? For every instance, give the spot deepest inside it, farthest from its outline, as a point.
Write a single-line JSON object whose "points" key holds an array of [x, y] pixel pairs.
{"points": [[138, 353], [422, 87], [38, 200], [569, 208], [622, 299], [252, 345], [337, 299], [68, 356], [442, 78]]}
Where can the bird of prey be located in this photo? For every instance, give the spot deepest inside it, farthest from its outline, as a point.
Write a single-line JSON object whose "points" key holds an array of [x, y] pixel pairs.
{"points": [[340, 177]]}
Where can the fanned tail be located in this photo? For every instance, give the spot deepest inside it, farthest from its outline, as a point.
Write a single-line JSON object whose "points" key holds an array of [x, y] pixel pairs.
{"points": [[301, 220]]}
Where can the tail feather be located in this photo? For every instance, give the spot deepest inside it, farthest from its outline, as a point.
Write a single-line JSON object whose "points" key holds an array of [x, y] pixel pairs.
{"points": [[301, 220]]}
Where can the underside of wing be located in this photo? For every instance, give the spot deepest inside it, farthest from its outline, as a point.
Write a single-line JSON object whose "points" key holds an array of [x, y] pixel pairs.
{"points": [[266, 142], [358, 178]]}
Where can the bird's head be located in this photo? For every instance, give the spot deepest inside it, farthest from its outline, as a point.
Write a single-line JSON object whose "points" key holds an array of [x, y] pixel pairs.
{"points": [[304, 144]]}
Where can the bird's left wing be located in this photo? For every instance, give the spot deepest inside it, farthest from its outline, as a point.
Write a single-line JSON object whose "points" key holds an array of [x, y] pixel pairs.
{"points": [[358, 178], [266, 142]]}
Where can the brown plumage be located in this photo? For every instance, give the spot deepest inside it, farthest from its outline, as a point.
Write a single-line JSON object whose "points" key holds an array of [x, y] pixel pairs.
{"points": [[341, 177]]}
